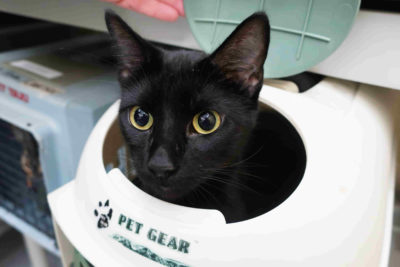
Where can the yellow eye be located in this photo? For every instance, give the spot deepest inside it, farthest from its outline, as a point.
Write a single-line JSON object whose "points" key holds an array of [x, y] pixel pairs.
{"points": [[140, 119], [206, 122]]}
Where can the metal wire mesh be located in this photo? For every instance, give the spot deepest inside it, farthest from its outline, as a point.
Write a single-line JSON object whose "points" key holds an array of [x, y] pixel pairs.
{"points": [[22, 189]]}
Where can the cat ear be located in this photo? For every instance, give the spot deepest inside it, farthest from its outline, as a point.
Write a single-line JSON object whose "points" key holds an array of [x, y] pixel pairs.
{"points": [[242, 55], [133, 52]]}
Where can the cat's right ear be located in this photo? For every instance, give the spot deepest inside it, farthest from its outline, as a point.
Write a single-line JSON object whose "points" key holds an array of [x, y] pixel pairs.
{"points": [[132, 51]]}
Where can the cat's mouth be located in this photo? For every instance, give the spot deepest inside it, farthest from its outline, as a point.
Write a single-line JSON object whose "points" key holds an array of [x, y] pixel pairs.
{"points": [[168, 193]]}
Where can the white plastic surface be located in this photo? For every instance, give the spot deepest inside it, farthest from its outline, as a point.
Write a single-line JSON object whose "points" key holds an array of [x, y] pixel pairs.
{"points": [[370, 53], [338, 216]]}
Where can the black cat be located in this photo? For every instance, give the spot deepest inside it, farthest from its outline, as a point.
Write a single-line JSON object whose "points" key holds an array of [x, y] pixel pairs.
{"points": [[187, 118]]}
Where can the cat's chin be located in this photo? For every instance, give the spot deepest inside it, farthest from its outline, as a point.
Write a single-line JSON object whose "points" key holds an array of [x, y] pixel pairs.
{"points": [[168, 194]]}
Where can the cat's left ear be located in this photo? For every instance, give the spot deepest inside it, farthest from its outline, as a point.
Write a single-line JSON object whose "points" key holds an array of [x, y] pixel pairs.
{"points": [[242, 55], [134, 54]]}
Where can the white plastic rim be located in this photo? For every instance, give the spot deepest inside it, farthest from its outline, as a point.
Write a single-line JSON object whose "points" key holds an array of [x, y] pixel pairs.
{"points": [[338, 215]]}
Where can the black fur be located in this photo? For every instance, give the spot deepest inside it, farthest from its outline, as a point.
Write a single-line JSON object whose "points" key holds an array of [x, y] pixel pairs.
{"points": [[204, 171]]}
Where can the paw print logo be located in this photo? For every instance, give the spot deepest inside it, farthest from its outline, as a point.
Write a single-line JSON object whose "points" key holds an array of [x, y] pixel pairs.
{"points": [[104, 214]]}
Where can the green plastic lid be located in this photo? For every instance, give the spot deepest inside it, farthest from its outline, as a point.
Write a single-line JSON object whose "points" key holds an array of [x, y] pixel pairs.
{"points": [[303, 32]]}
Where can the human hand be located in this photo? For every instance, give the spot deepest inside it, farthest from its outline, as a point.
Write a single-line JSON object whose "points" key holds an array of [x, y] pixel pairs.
{"points": [[168, 10]]}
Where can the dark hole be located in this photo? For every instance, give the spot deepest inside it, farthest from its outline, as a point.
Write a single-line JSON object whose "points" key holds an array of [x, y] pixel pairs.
{"points": [[280, 162]]}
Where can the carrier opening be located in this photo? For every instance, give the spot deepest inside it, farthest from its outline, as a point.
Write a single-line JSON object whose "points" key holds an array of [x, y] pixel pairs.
{"points": [[274, 169], [22, 188]]}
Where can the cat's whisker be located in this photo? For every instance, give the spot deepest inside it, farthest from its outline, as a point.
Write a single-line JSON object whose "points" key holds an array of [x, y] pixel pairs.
{"points": [[201, 193], [241, 161], [197, 195], [219, 204], [246, 159], [259, 178], [216, 187], [228, 172], [238, 185]]}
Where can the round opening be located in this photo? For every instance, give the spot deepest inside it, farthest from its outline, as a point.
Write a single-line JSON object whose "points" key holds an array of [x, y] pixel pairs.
{"points": [[279, 164], [272, 165]]}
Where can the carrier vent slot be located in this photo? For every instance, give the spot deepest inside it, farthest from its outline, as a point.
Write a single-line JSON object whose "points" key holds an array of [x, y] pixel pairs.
{"points": [[22, 189]]}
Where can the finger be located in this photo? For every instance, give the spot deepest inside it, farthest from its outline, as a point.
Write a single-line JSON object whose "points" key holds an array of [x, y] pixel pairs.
{"points": [[152, 8], [156, 9], [177, 4]]}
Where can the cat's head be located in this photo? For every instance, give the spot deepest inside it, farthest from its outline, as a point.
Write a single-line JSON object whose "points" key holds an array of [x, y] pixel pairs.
{"points": [[184, 114]]}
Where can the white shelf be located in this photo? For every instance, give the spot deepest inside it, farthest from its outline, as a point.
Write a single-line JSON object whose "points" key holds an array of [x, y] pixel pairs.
{"points": [[370, 54]]}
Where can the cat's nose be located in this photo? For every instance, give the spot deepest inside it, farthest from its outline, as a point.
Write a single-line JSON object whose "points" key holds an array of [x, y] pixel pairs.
{"points": [[161, 165]]}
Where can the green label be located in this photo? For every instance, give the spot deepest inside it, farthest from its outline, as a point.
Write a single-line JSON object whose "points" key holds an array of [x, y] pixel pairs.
{"points": [[146, 252]]}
